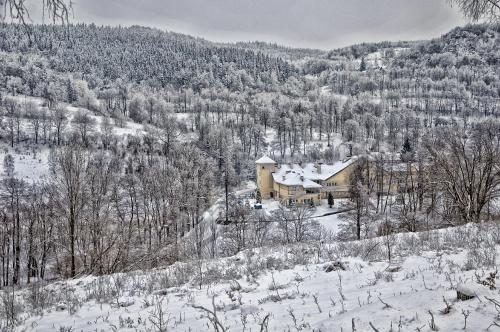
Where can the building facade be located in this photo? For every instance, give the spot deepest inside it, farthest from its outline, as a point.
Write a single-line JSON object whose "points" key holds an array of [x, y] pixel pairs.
{"points": [[303, 183]]}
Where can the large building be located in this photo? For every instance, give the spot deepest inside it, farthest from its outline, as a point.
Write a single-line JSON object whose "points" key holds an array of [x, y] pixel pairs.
{"points": [[303, 183]]}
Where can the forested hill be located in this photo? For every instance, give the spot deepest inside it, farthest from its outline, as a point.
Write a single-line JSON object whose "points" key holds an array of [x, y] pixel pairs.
{"points": [[364, 49], [284, 52], [480, 39], [145, 55], [457, 72], [474, 39], [471, 46], [462, 67]]}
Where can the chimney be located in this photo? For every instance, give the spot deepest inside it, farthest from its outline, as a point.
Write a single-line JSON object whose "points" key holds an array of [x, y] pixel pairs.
{"points": [[302, 178], [318, 167]]}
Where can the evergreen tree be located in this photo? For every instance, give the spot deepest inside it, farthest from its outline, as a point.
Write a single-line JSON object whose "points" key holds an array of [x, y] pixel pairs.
{"points": [[407, 152], [362, 66], [258, 196], [71, 92], [330, 200]]}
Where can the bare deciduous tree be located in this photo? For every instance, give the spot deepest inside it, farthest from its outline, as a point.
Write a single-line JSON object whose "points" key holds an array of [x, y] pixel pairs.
{"points": [[478, 9], [466, 168], [57, 10], [70, 169], [295, 222]]}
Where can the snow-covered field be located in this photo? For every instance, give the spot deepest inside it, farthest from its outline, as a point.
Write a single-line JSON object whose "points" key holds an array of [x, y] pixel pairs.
{"points": [[315, 287], [30, 163]]}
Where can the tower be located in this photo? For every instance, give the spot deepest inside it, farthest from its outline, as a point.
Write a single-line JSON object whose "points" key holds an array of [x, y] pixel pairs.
{"points": [[265, 167]]}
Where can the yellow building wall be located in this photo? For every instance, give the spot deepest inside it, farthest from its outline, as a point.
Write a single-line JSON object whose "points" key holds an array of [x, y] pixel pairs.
{"points": [[341, 180], [265, 179], [316, 199], [285, 193], [281, 191]]}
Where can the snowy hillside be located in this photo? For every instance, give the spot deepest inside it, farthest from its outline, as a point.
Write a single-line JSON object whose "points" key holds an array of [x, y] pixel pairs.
{"points": [[31, 161], [320, 287]]}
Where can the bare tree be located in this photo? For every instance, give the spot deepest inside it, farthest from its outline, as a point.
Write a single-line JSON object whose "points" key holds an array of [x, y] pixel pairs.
{"points": [[296, 223], [57, 10], [70, 168], [12, 192], [478, 9], [11, 111], [360, 195], [33, 115], [466, 167], [84, 124], [59, 119]]}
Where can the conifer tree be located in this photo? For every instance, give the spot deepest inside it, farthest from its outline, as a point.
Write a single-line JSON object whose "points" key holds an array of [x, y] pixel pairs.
{"points": [[362, 66], [330, 200]]}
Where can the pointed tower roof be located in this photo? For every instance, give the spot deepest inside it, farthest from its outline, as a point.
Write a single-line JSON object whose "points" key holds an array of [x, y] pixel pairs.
{"points": [[265, 160]]}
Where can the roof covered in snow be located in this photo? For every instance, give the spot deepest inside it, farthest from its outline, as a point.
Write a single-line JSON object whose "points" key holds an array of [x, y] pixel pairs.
{"points": [[307, 174], [265, 160], [312, 171], [294, 178]]}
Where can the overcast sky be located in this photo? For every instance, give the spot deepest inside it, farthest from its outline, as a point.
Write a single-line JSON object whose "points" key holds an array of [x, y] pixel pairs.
{"points": [[321, 24]]}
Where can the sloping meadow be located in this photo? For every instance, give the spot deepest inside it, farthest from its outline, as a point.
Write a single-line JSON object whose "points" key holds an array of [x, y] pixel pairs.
{"points": [[309, 286]]}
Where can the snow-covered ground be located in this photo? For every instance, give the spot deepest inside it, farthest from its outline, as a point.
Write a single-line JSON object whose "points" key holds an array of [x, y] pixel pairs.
{"points": [[303, 287], [30, 163], [331, 223], [128, 128], [378, 59]]}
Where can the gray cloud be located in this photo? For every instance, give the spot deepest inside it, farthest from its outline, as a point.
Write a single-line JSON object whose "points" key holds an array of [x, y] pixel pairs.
{"points": [[304, 23]]}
